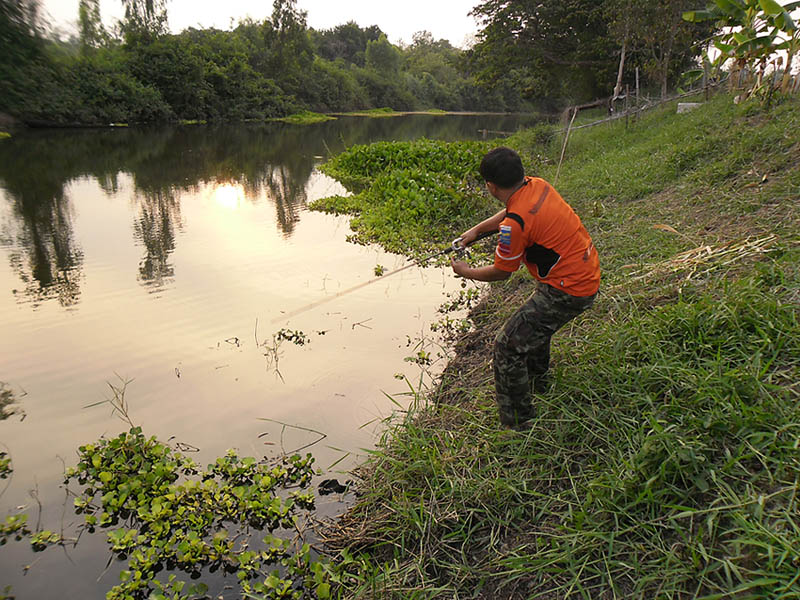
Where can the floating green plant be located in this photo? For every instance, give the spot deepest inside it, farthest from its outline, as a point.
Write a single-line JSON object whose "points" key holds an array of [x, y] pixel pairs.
{"points": [[410, 197], [162, 512], [5, 465]]}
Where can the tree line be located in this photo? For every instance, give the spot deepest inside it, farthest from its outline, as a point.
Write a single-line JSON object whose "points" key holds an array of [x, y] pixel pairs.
{"points": [[526, 55]]}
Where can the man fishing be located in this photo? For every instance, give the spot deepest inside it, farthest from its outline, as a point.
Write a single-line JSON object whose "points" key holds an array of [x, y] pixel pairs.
{"points": [[538, 228]]}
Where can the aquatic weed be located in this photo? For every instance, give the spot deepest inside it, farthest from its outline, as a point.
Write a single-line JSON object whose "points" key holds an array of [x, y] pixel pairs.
{"points": [[161, 511], [410, 197]]}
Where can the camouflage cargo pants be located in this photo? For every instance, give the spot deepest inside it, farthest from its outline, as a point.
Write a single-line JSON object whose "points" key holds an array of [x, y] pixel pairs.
{"points": [[522, 349]]}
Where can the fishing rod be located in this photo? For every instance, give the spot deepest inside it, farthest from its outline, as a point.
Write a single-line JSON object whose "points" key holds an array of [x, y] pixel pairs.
{"points": [[455, 246]]}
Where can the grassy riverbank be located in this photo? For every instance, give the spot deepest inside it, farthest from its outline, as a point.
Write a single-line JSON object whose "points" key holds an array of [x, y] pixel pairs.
{"points": [[664, 461]]}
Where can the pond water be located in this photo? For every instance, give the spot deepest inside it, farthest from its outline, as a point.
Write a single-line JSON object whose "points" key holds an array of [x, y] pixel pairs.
{"points": [[168, 259]]}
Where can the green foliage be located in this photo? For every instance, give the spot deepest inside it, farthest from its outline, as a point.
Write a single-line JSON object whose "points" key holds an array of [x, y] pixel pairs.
{"points": [[654, 39], [90, 25], [14, 525], [259, 70], [382, 57], [104, 94], [4, 135], [347, 42], [411, 196], [292, 53], [144, 19], [751, 32], [552, 52], [330, 87], [206, 75], [667, 447], [384, 89], [383, 111], [306, 117], [5, 465], [22, 50], [339, 205], [560, 52], [160, 510], [42, 539]]}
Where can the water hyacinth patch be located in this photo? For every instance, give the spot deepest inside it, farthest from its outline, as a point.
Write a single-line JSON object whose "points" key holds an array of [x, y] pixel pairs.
{"points": [[410, 197], [15, 526], [456, 159], [161, 511]]}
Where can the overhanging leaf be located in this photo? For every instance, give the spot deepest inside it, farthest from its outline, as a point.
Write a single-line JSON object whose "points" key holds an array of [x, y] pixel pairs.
{"points": [[698, 16], [741, 38], [771, 7], [723, 47], [785, 22], [732, 8]]}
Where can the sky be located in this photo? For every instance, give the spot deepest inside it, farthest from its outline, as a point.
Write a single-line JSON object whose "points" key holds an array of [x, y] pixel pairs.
{"points": [[399, 20]]}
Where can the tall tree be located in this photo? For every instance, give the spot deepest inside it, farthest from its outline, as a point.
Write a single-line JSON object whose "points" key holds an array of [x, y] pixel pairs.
{"points": [[383, 57], [90, 26], [20, 48], [552, 51], [347, 41], [623, 22], [146, 18], [439, 58], [668, 40], [19, 31], [291, 53]]}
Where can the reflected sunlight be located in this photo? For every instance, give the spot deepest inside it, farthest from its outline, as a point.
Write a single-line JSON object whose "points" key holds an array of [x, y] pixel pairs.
{"points": [[228, 195]]}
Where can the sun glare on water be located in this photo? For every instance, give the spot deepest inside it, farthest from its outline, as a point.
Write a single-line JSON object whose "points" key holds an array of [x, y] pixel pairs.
{"points": [[228, 195]]}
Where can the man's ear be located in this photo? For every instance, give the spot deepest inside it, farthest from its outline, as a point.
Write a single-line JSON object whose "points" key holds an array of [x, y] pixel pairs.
{"points": [[492, 188]]}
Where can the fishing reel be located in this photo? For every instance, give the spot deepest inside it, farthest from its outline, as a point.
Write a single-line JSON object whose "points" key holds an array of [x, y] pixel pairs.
{"points": [[457, 249], [462, 251]]}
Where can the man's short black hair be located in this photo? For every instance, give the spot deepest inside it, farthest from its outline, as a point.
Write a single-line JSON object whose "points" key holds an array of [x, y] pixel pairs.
{"points": [[502, 167]]}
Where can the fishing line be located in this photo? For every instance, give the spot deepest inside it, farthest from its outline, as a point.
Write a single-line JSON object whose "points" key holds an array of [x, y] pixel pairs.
{"points": [[454, 247]]}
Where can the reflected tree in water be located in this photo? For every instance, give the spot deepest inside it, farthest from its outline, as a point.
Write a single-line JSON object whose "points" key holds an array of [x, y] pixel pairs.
{"points": [[159, 214], [50, 266], [288, 193]]}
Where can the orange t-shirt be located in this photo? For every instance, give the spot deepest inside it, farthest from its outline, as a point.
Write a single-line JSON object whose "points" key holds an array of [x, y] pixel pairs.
{"points": [[541, 230]]}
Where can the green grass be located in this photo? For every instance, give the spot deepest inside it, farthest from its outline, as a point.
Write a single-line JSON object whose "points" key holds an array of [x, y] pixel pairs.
{"points": [[664, 462], [306, 117], [377, 113]]}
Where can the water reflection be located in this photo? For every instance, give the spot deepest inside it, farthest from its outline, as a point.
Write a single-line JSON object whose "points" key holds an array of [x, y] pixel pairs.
{"points": [[229, 195], [8, 402], [272, 161], [50, 265], [159, 214]]}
